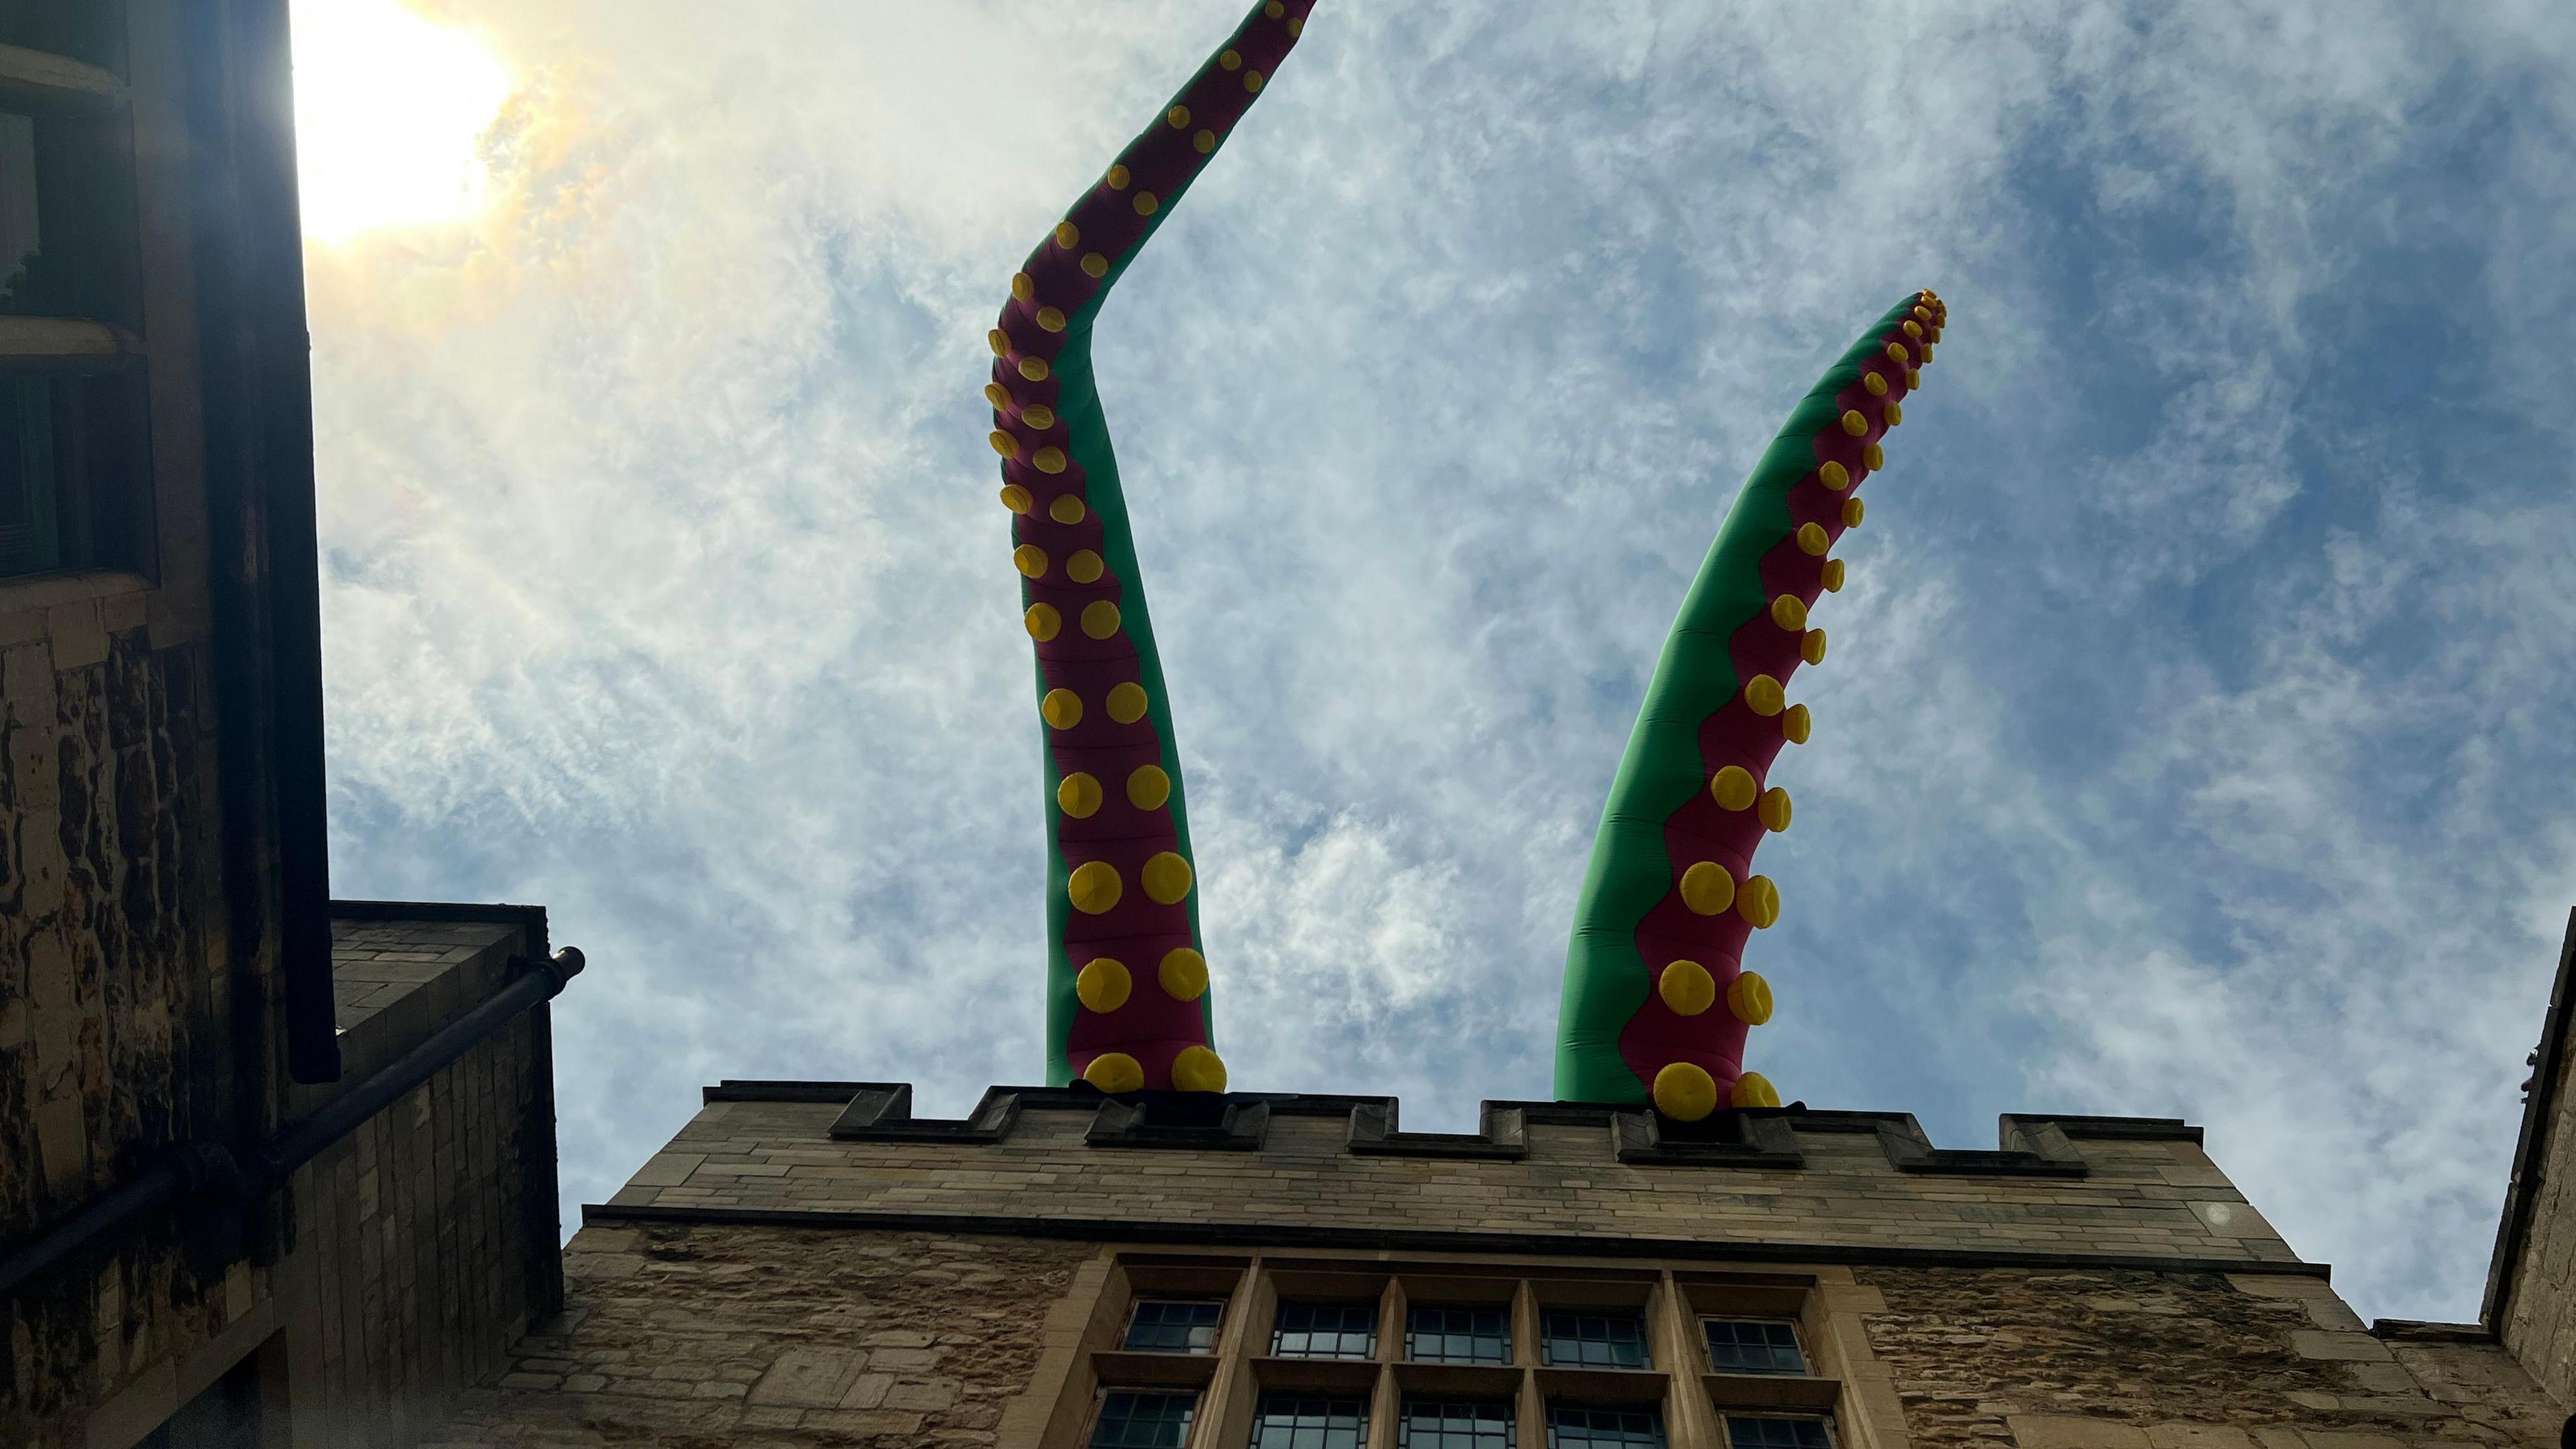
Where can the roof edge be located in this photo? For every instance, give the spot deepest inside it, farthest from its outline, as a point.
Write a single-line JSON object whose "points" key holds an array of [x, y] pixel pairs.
{"points": [[2520, 1195]]}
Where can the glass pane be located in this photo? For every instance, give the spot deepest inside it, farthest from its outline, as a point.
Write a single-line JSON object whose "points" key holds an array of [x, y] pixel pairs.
{"points": [[1291, 1421], [1458, 1335], [1754, 1346], [1744, 1433], [20, 235], [85, 30], [1167, 1326], [1130, 1420], [1595, 1340], [31, 534], [1455, 1424], [1569, 1427], [1325, 1330]]}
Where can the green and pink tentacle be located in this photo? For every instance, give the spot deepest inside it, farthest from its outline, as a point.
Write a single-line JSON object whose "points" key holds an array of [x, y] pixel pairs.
{"points": [[1127, 1004], [1657, 1004]]}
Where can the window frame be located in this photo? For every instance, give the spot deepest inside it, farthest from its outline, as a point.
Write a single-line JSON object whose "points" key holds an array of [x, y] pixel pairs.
{"points": [[1215, 1326], [1660, 1432], [1493, 1313], [1359, 1419], [70, 349], [1548, 1338], [1504, 1339], [1797, 1344], [1404, 1417], [1279, 1330], [1100, 1414], [1726, 1423]]}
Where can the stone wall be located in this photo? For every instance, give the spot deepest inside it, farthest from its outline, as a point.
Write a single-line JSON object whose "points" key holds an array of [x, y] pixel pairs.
{"points": [[2140, 1197], [2134, 1360], [117, 1034], [396, 1268], [688, 1336], [426, 1242], [777, 1338], [2531, 1293]]}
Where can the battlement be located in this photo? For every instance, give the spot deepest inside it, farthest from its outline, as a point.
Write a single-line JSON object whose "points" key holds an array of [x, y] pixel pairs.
{"points": [[1782, 1184]]}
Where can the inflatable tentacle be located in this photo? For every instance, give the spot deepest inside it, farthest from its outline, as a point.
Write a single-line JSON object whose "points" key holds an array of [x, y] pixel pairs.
{"points": [[1657, 1005], [1127, 1003]]}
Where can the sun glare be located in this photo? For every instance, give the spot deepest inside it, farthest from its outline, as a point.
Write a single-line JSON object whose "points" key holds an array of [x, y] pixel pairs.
{"points": [[389, 109]]}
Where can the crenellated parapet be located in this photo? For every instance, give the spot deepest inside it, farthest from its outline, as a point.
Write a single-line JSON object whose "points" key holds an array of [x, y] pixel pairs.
{"points": [[1323, 1169]]}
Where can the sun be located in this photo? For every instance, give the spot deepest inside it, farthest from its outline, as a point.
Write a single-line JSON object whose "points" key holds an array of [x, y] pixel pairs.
{"points": [[390, 108]]}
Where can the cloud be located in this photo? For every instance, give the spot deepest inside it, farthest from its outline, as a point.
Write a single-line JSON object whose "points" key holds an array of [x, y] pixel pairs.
{"points": [[2188, 742]]}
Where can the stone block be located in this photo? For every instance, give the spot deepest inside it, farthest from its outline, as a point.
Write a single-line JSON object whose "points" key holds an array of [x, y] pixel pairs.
{"points": [[2065, 1431], [79, 640], [2197, 1436], [867, 1391], [119, 612], [863, 1421], [21, 625], [808, 1378], [938, 1394], [2330, 1312], [2339, 1347], [530, 1381], [40, 863], [27, 683], [2383, 1378], [62, 1140], [2232, 1220]]}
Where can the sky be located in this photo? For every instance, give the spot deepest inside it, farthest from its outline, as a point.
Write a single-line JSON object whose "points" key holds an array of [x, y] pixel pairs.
{"points": [[2193, 741]]}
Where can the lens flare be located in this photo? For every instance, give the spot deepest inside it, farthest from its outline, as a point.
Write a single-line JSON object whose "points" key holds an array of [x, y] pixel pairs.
{"points": [[390, 112]]}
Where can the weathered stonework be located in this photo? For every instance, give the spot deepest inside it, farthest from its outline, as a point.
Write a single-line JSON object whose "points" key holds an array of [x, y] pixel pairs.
{"points": [[2110, 1292], [392, 1273], [117, 993], [2142, 1198], [2075, 1360], [773, 1337]]}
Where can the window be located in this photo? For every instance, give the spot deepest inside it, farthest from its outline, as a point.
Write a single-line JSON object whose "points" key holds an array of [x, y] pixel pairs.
{"points": [[1569, 1427], [1454, 1424], [1170, 1326], [1292, 1421], [1594, 1340], [87, 32], [74, 477], [1325, 1330], [1132, 1420], [1744, 1433], [1754, 1346], [1458, 1335]]}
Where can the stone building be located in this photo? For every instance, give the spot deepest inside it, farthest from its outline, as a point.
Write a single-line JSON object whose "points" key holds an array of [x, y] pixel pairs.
{"points": [[278, 1170], [807, 1263], [273, 1169]]}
